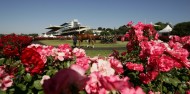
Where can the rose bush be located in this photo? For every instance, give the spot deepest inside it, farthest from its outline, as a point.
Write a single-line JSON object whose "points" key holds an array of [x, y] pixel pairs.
{"points": [[155, 65], [12, 45], [149, 65]]}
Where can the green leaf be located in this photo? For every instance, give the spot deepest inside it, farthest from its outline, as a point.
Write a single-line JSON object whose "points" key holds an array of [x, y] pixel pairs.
{"points": [[149, 84], [2, 92], [61, 67], [177, 80], [186, 78], [22, 70], [29, 91], [68, 64], [169, 92], [28, 77], [37, 85], [132, 75], [164, 89], [184, 85], [31, 87], [51, 72], [11, 91], [50, 67], [54, 71], [22, 87], [39, 76], [169, 74], [40, 92], [181, 91], [7, 61], [82, 92], [174, 81], [166, 79], [17, 63], [2, 60]]}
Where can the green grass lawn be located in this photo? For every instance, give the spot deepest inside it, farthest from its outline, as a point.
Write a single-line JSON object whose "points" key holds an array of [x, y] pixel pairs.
{"points": [[90, 52], [97, 43]]}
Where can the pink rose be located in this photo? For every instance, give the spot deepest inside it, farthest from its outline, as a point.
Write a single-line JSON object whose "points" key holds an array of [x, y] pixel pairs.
{"points": [[134, 66], [79, 52], [83, 62], [116, 64], [5, 79]]}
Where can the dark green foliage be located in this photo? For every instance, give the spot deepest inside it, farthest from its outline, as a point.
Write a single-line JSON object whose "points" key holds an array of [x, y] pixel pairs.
{"points": [[160, 25], [89, 32], [108, 39], [122, 30], [181, 29]]}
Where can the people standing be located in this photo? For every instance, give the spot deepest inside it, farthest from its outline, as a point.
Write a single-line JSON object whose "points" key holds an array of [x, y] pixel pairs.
{"points": [[74, 40]]}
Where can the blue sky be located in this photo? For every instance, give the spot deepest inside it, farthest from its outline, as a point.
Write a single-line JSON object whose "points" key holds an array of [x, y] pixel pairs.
{"points": [[33, 16]]}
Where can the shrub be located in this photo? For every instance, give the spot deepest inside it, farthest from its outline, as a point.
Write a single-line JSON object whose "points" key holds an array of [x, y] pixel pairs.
{"points": [[108, 39], [181, 29]]}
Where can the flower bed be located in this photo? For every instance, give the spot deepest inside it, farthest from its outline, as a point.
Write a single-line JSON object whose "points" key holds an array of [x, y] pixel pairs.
{"points": [[148, 66], [12, 45]]}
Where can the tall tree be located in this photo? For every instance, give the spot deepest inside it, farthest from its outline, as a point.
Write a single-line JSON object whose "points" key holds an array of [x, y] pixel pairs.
{"points": [[181, 29], [122, 30], [99, 28], [160, 25]]}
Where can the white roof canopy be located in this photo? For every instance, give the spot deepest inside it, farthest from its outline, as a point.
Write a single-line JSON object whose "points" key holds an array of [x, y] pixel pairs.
{"points": [[167, 29]]}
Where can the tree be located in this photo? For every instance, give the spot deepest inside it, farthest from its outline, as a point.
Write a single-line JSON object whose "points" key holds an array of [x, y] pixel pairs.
{"points": [[105, 33], [89, 32], [160, 26], [99, 28], [122, 30], [181, 29], [1, 35], [112, 31], [33, 34]]}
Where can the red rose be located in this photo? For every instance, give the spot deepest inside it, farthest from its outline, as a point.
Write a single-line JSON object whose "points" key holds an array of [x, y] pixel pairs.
{"points": [[32, 61], [148, 77], [10, 51]]}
